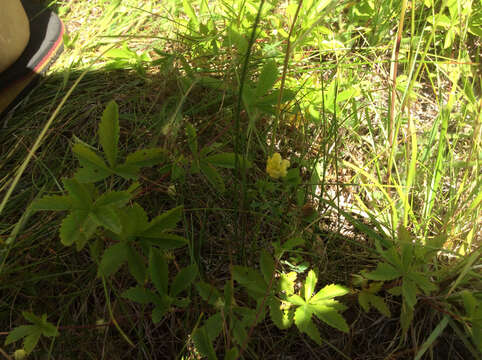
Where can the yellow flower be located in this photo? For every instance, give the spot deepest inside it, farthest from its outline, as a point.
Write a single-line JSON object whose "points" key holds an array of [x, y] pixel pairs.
{"points": [[276, 166]]}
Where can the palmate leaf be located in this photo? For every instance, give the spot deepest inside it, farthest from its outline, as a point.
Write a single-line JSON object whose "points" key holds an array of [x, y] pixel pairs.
{"points": [[19, 333], [366, 300], [109, 132], [305, 324], [81, 194], [87, 157], [383, 272], [251, 280], [183, 280]]}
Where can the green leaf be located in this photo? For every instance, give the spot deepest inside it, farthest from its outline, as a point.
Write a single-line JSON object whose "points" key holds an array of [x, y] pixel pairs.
{"points": [[292, 243], [134, 220], [112, 259], [49, 329], [72, 227], [127, 171], [208, 292], [470, 302], [409, 292], [188, 9], [379, 303], [224, 160], [433, 336], [20, 332], [183, 280], [136, 265], [107, 217], [232, 354], [146, 157], [250, 279], [383, 272], [192, 139], [329, 292], [139, 295], [214, 325], [213, 176], [166, 241], [30, 341], [309, 285], [158, 270], [80, 194], [267, 266], [163, 222], [158, 313], [267, 79], [406, 317], [91, 174], [296, 300], [282, 319], [422, 282], [109, 132], [286, 283], [113, 198], [304, 323], [364, 300], [89, 158], [330, 316], [54, 203], [203, 344]]}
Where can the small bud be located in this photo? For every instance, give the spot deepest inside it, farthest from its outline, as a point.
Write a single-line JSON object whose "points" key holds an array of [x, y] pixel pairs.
{"points": [[20, 354]]}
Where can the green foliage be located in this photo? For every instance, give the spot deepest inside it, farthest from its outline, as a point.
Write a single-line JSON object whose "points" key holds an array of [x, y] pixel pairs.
{"points": [[31, 333], [165, 297]]}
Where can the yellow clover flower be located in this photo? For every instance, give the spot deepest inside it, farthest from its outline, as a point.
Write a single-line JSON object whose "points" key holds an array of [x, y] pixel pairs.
{"points": [[276, 166]]}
